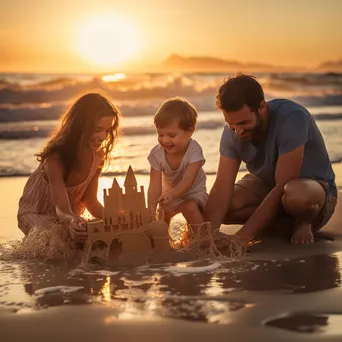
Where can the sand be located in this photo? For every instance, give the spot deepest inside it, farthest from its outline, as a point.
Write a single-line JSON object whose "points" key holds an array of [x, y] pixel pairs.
{"points": [[277, 291]]}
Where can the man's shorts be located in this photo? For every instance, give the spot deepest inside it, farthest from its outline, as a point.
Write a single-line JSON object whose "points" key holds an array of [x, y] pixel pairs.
{"points": [[261, 190]]}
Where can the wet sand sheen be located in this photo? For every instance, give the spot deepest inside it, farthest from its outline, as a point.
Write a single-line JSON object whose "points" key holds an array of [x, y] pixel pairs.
{"points": [[239, 298]]}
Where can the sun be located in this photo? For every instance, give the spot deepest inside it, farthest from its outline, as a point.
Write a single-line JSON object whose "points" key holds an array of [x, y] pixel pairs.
{"points": [[108, 41]]}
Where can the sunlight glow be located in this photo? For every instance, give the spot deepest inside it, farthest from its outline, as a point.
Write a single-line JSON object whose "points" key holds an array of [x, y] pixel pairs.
{"points": [[113, 78], [106, 291], [108, 41]]}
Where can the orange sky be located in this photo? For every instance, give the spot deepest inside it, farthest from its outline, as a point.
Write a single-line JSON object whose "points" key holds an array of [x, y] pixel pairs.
{"points": [[75, 36]]}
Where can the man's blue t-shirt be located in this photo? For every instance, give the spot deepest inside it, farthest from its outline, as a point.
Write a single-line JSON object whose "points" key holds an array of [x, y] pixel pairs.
{"points": [[291, 125]]}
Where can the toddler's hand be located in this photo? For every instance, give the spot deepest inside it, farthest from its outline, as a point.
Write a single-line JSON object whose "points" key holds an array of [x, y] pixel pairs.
{"points": [[78, 229], [165, 198]]}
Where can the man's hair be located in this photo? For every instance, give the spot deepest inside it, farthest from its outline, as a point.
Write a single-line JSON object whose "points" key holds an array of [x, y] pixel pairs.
{"points": [[239, 90], [176, 109]]}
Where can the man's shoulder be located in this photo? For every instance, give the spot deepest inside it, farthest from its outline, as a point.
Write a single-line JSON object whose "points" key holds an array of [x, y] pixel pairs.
{"points": [[284, 107], [229, 136]]}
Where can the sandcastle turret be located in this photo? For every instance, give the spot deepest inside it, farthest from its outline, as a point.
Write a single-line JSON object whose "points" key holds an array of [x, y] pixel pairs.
{"points": [[133, 199], [130, 183], [112, 199]]}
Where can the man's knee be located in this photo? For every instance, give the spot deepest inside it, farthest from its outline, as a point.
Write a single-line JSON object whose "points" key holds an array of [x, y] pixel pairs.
{"points": [[303, 196]]}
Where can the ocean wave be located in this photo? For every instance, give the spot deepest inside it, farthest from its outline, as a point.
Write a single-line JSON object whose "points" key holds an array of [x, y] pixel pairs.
{"points": [[5, 173], [35, 131], [154, 87], [43, 129], [314, 89], [31, 112], [53, 111], [327, 117], [324, 79], [141, 172]]}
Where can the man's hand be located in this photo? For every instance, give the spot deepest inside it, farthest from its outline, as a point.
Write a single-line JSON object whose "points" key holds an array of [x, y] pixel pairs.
{"points": [[78, 229], [222, 191], [230, 245]]}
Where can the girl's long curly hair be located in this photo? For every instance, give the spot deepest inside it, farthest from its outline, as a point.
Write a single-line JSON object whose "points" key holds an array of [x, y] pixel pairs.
{"points": [[77, 127]]}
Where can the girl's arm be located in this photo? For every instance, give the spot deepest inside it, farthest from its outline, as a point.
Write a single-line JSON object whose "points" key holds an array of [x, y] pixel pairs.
{"points": [[90, 197], [55, 174], [186, 182], [154, 188]]}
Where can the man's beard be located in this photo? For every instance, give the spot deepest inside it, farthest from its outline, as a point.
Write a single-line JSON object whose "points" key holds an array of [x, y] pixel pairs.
{"points": [[257, 129], [257, 132]]}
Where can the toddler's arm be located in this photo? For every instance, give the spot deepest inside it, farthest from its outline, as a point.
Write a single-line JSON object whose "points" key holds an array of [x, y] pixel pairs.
{"points": [[154, 188], [186, 183]]}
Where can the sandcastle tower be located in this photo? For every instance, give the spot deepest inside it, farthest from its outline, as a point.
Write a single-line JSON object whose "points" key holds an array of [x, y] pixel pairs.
{"points": [[125, 210]]}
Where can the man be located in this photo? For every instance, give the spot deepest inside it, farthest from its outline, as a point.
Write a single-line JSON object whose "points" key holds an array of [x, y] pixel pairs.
{"points": [[289, 168]]}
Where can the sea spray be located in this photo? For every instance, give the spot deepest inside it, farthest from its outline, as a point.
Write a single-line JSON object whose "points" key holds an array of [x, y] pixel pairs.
{"points": [[200, 239], [43, 244], [54, 244]]}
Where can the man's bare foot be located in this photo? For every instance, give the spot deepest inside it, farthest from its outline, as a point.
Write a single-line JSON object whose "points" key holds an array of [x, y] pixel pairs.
{"points": [[302, 234]]}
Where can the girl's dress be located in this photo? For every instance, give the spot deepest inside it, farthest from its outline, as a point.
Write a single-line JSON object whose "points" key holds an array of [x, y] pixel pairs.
{"points": [[36, 208]]}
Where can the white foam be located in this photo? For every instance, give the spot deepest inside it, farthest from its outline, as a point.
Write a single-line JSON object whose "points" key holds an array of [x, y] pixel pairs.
{"points": [[61, 288], [103, 272], [25, 311], [184, 268]]}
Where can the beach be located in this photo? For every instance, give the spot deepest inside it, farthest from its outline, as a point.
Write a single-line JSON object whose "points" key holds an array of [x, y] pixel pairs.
{"points": [[278, 291]]}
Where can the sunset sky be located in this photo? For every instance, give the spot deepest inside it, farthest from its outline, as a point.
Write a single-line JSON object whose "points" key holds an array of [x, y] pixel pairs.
{"points": [[101, 35]]}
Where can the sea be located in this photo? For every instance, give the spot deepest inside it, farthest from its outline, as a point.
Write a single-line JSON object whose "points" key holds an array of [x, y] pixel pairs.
{"points": [[31, 105]]}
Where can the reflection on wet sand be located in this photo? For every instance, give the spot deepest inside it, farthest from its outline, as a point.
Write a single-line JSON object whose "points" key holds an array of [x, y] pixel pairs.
{"points": [[196, 291], [326, 323], [300, 275]]}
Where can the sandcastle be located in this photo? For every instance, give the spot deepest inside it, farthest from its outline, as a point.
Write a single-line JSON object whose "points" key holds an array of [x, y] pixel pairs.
{"points": [[129, 228], [126, 221]]}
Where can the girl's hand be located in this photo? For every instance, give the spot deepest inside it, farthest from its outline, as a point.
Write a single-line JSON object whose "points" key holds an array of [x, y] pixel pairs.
{"points": [[165, 198], [78, 229]]}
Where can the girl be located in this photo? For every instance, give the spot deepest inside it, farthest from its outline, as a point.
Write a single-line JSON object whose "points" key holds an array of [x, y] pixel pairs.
{"points": [[66, 180], [177, 179]]}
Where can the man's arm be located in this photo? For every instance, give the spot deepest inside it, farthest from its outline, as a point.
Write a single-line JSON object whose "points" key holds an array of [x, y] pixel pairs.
{"points": [[221, 193], [288, 167]]}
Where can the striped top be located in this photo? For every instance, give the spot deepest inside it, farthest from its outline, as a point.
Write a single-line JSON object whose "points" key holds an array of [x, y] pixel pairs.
{"points": [[37, 199]]}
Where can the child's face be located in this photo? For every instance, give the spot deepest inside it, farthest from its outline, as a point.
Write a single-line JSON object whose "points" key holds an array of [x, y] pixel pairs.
{"points": [[173, 138], [101, 131]]}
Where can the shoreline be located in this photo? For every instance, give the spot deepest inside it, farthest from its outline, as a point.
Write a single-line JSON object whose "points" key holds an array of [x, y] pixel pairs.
{"points": [[11, 189], [335, 164]]}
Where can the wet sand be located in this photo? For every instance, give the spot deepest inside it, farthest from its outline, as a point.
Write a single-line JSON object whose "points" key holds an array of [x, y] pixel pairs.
{"points": [[276, 292]]}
